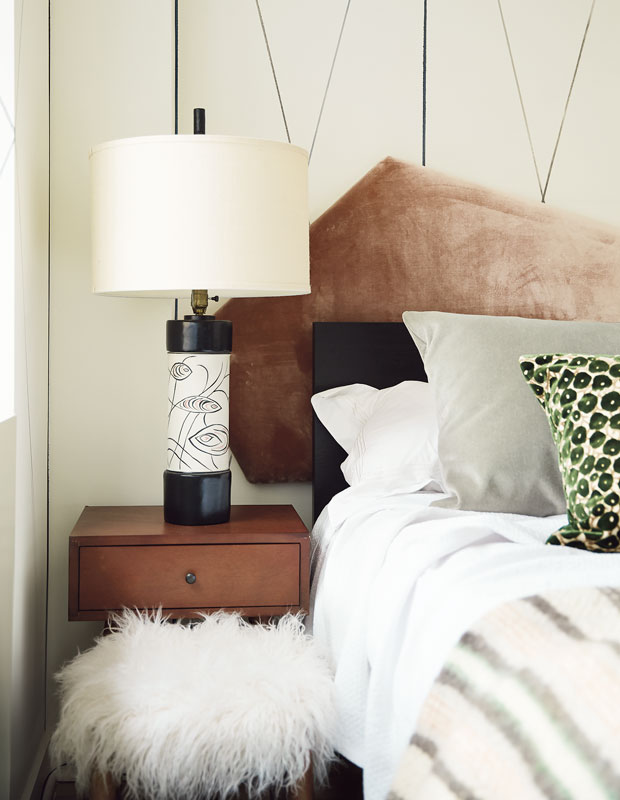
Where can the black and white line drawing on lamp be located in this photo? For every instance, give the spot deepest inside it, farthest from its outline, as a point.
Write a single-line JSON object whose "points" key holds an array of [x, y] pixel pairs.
{"points": [[198, 413]]}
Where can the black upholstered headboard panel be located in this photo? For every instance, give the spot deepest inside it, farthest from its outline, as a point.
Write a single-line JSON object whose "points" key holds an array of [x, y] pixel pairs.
{"points": [[379, 354]]}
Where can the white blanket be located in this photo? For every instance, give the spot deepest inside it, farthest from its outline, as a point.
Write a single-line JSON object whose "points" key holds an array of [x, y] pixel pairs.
{"points": [[396, 583]]}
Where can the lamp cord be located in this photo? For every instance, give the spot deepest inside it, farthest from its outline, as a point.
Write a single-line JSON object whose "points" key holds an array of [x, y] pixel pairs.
{"points": [[329, 78], [176, 99]]}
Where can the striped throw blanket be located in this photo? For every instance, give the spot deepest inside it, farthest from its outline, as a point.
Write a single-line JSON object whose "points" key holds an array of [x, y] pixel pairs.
{"points": [[526, 707]]}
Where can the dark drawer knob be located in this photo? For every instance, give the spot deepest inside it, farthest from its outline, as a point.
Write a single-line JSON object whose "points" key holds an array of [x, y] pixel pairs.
{"points": [[190, 577]]}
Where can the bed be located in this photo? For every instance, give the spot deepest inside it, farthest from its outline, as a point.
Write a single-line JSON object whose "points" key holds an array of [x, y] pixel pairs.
{"points": [[470, 659], [423, 566]]}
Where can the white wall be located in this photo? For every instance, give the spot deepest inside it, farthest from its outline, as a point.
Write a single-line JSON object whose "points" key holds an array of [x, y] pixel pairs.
{"points": [[475, 126], [23, 638], [7, 210], [7, 373]]}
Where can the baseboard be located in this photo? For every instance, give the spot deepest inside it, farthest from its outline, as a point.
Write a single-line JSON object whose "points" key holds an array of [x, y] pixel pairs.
{"points": [[38, 772]]}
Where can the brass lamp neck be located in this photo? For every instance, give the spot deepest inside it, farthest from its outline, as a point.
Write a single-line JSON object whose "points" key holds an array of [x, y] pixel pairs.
{"points": [[200, 301]]}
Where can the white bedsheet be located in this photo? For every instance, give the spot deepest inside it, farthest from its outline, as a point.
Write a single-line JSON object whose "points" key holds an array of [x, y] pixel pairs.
{"points": [[396, 583]]}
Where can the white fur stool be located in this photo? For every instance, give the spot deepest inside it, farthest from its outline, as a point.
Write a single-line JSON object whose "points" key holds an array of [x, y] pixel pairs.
{"points": [[178, 711]]}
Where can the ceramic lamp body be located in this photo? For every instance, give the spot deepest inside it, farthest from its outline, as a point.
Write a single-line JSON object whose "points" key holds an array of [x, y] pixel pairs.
{"points": [[197, 479]]}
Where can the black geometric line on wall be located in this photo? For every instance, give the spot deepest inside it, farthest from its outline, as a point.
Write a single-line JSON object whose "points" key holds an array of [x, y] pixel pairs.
{"points": [[329, 77], [273, 70], [7, 156], [570, 91], [424, 45], [48, 321], [521, 103], [11, 144], [543, 189], [9, 119]]}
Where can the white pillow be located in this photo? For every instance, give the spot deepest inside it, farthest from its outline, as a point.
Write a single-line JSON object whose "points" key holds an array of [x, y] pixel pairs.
{"points": [[344, 410], [387, 433]]}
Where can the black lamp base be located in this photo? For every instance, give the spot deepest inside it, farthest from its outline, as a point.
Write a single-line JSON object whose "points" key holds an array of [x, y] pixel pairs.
{"points": [[196, 498]]}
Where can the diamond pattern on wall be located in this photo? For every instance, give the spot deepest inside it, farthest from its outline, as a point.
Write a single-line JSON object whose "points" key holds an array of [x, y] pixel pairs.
{"points": [[545, 40], [308, 25]]}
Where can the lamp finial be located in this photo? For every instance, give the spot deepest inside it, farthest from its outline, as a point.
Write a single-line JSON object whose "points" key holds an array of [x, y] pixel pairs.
{"points": [[199, 121]]}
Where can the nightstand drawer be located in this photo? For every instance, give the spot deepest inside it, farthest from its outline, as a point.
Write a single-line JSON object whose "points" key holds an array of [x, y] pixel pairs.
{"points": [[226, 576]]}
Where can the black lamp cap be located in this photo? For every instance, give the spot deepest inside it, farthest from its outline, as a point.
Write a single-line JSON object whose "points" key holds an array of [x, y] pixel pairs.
{"points": [[198, 334]]}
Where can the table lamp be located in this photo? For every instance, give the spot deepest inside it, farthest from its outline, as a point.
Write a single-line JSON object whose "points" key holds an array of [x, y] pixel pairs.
{"points": [[192, 216]]}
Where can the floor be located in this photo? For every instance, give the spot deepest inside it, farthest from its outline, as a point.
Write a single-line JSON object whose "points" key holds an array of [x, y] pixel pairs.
{"points": [[345, 784]]}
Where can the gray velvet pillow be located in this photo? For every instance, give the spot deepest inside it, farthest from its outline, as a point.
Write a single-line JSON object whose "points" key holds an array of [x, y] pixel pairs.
{"points": [[495, 446]]}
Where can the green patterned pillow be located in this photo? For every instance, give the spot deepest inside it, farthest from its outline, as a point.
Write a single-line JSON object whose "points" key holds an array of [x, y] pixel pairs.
{"points": [[581, 395]]}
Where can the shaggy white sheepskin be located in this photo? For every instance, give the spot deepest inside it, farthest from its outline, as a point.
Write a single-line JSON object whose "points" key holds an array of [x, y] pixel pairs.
{"points": [[187, 711]]}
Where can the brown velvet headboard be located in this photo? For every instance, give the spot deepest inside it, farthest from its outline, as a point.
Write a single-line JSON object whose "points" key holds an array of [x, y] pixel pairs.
{"points": [[406, 238]]}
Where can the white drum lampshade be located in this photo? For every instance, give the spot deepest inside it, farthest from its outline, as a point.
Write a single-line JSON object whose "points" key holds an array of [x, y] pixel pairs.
{"points": [[220, 214], [176, 213]]}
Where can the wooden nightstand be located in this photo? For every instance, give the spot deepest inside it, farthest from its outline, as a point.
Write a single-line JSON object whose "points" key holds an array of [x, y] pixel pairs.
{"points": [[258, 563]]}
